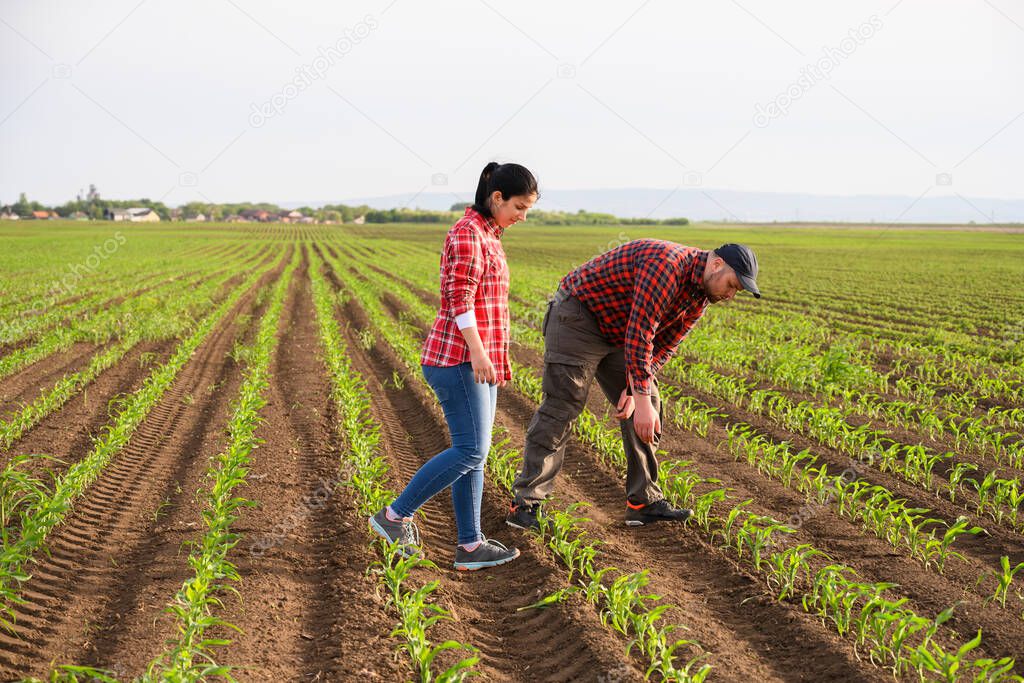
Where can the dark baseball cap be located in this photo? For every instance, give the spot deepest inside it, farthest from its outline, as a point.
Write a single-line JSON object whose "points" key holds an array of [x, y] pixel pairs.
{"points": [[742, 260]]}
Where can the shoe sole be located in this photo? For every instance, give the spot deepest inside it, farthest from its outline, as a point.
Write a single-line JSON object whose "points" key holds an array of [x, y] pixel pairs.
{"points": [[521, 527], [379, 530], [474, 566], [637, 522]]}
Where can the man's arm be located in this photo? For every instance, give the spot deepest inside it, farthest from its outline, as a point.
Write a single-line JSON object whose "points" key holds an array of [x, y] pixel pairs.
{"points": [[655, 283]]}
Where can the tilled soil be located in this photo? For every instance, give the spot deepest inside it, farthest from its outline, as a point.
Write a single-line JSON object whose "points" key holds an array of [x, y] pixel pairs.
{"points": [[308, 604]]}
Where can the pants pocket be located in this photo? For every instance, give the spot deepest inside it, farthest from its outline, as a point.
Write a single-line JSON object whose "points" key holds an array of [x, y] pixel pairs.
{"points": [[568, 383], [549, 424]]}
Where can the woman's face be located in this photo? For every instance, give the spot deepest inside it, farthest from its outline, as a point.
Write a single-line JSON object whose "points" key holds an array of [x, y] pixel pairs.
{"points": [[510, 211]]}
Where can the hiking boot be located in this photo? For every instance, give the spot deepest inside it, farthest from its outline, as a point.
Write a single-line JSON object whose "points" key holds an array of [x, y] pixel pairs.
{"points": [[658, 511], [523, 516], [487, 554], [405, 534]]}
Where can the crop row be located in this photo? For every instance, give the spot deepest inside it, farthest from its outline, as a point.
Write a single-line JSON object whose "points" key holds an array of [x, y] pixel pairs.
{"points": [[166, 318], [42, 513]]}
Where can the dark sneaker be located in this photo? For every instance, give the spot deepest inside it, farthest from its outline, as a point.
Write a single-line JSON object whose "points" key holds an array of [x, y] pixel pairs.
{"points": [[523, 517], [406, 534], [487, 554], [658, 511]]}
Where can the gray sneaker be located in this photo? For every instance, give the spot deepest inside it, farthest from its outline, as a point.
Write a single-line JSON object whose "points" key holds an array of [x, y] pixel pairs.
{"points": [[406, 534], [487, 554]]}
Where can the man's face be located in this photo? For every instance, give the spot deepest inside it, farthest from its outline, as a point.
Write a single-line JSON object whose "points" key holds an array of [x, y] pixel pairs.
{"points": [[720, 281]]}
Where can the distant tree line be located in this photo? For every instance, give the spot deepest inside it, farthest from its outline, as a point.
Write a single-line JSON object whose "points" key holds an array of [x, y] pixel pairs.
{"points": [[95, 207]]}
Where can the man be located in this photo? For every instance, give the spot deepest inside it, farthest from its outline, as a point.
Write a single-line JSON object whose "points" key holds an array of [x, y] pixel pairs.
{"points": [[620, 317]]}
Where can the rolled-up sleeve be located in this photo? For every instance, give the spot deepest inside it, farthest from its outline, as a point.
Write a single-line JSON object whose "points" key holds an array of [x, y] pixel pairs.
{"points": [[466, 267]]}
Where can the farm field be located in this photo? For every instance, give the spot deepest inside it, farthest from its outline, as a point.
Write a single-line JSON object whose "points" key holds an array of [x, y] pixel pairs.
{"points": [[195, 421]]}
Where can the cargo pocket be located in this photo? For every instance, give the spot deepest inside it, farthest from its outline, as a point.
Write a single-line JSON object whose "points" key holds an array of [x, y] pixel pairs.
{"points": [[568, 384], [550, 424]]}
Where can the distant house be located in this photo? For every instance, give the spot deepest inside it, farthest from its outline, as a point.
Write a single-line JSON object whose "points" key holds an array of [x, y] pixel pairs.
{"points": [[8, 215], [256, 215], [79, 216], [359, 220], [144, 215], [139, 214], [289, 216], [198, 218], [307, 219], [234, 218], [43, 215], [176, 214]]}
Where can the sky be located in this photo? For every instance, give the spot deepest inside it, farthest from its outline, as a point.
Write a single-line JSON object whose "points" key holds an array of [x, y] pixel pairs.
{"points": [[236, 100]]}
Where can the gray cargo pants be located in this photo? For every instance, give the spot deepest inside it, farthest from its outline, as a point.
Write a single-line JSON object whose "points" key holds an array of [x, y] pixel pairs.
{"points": [[575, 352]]}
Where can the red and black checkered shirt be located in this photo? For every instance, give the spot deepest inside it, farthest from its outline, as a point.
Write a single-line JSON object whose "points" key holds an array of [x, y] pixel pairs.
{"points": [[474, 277], [646, 295]]}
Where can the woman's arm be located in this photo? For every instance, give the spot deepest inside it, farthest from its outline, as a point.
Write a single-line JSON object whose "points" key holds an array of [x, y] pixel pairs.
{"points": [[466, 268]]}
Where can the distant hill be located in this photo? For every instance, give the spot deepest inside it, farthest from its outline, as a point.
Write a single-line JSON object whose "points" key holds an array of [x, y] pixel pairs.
{"points": [[730, 205]]}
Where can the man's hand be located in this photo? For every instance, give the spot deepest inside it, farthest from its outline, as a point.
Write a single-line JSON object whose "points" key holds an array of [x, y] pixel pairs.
{"points": [[646, 422], [624, 406]]}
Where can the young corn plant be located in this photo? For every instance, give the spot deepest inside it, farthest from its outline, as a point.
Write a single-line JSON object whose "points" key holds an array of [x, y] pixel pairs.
{"points": [[1004, 578], [20, 491], [417, 614], [938, 550]]}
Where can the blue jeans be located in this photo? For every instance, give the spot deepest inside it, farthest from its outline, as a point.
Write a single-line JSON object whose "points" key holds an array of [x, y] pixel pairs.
{"points": [[469, 409]]}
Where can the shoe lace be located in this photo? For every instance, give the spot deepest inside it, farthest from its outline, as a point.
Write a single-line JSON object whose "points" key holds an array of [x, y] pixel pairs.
{"points": [[487, 541], [410, 533]]}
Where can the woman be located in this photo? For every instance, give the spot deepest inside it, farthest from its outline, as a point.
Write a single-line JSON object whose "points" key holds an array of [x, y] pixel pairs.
{"points": [[465, 360]]}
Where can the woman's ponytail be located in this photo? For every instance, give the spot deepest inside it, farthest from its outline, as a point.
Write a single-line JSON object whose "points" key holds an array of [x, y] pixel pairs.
{"points": [[509, 179], [480, 201]]}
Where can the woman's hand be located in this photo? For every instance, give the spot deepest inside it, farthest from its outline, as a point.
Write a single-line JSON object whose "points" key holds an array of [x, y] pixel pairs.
{"points": [[483, 368]]}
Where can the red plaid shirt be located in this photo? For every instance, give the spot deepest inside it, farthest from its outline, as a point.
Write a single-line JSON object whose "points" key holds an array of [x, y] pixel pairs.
{"points": [[646, 295], [474, 277]]}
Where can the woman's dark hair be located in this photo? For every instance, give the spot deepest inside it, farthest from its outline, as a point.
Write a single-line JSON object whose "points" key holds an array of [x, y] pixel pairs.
{"points": [[511, 180]]}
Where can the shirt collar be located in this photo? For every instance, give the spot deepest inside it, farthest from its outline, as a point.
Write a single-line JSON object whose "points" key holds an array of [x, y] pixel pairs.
{"points": [[487, 224], [699, 263]]}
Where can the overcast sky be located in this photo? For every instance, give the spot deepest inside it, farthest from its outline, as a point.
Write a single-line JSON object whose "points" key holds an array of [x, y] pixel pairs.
{"points": [[231, 100]]}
